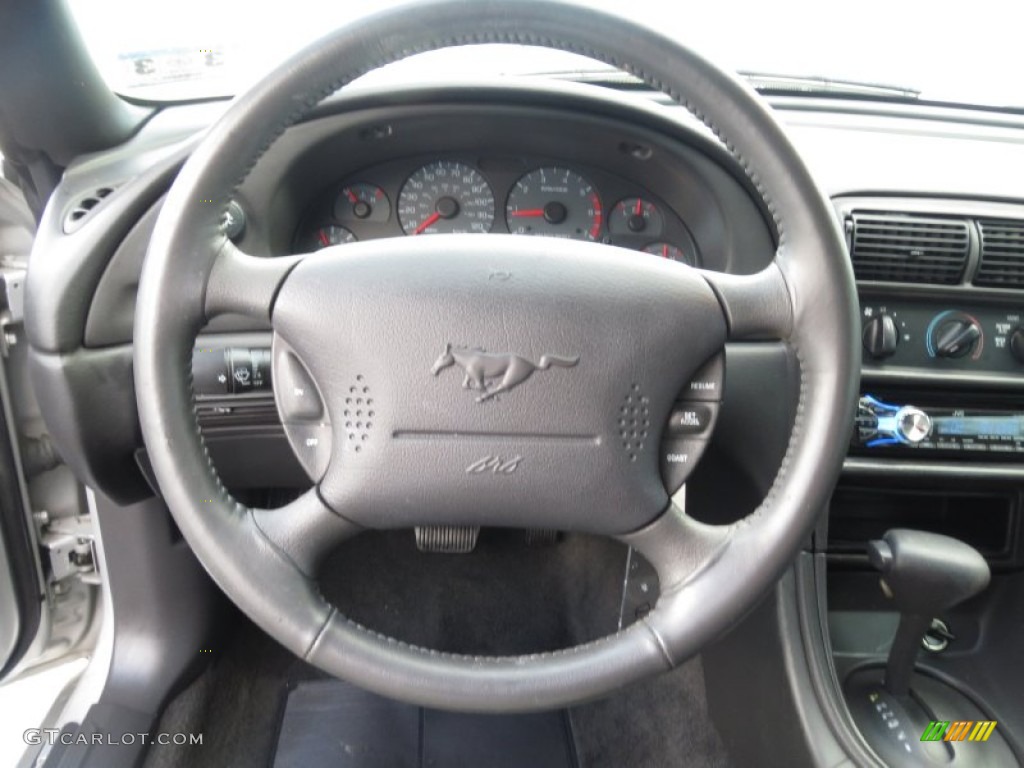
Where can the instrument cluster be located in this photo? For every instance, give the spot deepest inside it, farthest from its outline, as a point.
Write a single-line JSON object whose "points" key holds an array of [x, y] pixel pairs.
{"points": [[517, 195]]}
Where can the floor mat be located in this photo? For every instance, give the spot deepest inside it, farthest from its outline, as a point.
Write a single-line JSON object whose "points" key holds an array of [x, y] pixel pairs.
{"points": [[329, 722]]}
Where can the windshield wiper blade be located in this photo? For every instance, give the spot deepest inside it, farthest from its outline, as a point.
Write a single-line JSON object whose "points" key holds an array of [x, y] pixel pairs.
{"points": [[766, 82]]}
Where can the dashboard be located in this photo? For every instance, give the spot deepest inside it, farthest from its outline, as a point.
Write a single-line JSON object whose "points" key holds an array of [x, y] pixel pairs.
{"points": [[560, 161], [930, 200], [517, 194]]}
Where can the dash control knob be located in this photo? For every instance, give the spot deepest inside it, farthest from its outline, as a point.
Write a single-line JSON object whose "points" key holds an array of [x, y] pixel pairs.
{"points": [[1016, 344], [953, 335], [912, 424], [881, 336]]}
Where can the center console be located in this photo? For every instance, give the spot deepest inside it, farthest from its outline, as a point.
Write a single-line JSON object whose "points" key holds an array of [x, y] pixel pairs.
{"points": [[937, 449]]}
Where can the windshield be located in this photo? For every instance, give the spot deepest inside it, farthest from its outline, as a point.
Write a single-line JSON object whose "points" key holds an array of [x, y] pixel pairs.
{"points": [[187, 49]]}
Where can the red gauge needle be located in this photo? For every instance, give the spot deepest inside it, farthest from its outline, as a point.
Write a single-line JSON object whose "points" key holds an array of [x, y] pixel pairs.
{"points": [[431, 219], [664, 251], [638, 211], [322, 234], [351, 196], [532, 212]]}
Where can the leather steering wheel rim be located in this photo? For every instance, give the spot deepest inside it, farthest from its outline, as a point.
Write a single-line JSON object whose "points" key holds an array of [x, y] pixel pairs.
{"points": [[710, 576]]}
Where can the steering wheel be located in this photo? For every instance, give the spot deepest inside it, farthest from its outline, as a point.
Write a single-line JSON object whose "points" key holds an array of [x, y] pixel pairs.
{"points": [[569, 323]]}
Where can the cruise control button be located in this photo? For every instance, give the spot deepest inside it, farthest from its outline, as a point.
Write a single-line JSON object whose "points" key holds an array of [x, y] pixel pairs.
{"points": [[312, 446], [706, 385], [678, 458], [690, 419], [297, 397]]}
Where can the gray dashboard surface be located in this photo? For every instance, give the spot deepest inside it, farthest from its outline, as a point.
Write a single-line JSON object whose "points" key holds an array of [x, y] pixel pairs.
{"points": [[85, 302], [930, 152]]}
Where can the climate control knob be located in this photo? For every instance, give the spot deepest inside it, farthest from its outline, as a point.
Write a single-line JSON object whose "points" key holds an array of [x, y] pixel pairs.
{"points": [[881, 336], [1016, 343], [954, 335]]}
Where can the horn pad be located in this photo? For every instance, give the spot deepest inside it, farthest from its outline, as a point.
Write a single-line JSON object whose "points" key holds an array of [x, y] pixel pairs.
{"points": [[484, 381]]}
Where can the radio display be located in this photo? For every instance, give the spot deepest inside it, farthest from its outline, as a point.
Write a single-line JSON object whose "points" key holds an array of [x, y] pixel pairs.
{"points": [[979, 426], [883, 425]]}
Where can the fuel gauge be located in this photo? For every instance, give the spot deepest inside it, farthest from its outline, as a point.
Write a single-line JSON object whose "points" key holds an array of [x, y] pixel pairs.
{"points": [[635, 216], [362, 202]]}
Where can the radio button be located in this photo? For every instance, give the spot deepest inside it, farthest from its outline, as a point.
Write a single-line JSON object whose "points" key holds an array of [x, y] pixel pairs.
{"points": [[913, 424]]}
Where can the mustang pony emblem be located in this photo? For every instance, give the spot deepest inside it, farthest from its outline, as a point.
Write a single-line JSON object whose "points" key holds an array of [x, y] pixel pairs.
{"points": [[481, 366]]}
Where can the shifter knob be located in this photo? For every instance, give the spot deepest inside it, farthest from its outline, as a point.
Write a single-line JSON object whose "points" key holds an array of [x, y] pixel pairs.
{"points": [[923, 574]]}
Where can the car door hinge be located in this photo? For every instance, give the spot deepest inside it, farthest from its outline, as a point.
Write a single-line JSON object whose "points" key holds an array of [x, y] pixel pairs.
{"points": [[70, 544], [13, 311]]}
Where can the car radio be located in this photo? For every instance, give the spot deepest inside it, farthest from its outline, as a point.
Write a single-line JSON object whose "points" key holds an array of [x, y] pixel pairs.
{"points": [[885, 427]]}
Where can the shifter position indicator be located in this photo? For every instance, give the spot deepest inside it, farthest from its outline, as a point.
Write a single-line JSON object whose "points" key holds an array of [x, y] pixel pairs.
{"points": [[922, 576]]}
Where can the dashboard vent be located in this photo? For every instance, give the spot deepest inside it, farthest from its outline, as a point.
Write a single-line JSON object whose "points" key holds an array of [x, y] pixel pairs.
{"points": [[81, 209], [906, 248], [1002, 254]]}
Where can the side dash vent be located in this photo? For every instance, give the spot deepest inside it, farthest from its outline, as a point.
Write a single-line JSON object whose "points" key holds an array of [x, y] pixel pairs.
{"points": [[1002, 254], [80, 211], [907, 248]]}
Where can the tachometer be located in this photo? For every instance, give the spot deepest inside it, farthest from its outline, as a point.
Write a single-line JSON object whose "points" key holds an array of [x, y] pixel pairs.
{"points": [[446, 196], [553, 201]]}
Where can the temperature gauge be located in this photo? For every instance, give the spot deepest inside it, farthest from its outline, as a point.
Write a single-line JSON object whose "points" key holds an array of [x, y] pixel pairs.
{"points": [[669, 251], [635, 216], [322, 237], [362, 202]]}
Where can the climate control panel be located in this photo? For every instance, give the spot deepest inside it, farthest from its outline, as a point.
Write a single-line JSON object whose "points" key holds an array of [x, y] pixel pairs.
{"points": [[926, 335]]}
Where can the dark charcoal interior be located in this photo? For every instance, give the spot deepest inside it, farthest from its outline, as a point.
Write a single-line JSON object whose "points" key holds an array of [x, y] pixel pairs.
{"points": [[901, 605], [507, 597]]}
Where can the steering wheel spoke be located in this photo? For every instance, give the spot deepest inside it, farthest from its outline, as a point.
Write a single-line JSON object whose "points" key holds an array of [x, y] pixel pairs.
{"points": [[757, 307], [305, 530], [243, 284], [677, 545]]}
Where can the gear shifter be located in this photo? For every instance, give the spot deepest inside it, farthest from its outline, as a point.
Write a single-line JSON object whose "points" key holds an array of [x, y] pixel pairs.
{"points": [[923, 574]]}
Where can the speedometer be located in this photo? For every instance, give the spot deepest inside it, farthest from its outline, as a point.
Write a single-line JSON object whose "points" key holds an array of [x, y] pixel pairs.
{"points": [[446, 196], [554, 201]]}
